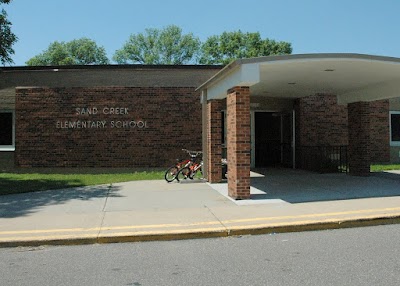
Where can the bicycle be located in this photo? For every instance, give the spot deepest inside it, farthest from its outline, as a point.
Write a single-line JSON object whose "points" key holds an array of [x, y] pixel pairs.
{"points": [[192, 169], [173, 171]]}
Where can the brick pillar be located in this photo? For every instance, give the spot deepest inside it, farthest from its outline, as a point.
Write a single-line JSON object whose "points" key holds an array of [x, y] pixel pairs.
{"points": [[214, 141], [359, 138], [380, 131], [238, 140]]}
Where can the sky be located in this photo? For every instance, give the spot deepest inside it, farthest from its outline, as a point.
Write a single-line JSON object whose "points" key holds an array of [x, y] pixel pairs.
{"points": [[311, 26]]}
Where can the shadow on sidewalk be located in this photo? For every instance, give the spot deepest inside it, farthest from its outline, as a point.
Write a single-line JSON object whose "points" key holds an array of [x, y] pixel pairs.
{"points": [[297, 186], [16, 205]]}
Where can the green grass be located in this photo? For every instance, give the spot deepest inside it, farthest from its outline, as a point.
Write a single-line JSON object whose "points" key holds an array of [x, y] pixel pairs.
{"points": [[384, 167], [13, 183]]}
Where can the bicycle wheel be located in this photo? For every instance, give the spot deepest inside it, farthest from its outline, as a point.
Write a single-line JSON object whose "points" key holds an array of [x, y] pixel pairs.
{"points": [[198, 174], [171, 173], [183, 174]]}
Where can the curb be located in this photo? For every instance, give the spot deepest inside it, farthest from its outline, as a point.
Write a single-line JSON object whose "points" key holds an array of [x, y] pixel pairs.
{"points": [[241, 230], [318, 226]]}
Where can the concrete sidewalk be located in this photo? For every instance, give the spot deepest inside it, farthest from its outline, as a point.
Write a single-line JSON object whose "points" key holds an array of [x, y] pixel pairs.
{"points": [[156, 210]]}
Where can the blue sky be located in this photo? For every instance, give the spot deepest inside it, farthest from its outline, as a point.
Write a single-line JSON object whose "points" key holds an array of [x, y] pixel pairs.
{"points": [[312, 26]]}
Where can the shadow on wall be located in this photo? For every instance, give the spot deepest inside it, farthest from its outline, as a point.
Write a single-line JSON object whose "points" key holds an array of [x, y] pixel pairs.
{"points": [[6, 161], [23, 204]]}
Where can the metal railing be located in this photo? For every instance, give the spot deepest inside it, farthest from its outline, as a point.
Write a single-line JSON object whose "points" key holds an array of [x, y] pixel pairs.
{"points": [[322, 159]]}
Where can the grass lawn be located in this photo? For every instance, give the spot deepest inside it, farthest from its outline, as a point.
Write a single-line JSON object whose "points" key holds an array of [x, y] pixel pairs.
{"points": [[384, 167], [13, 183]]}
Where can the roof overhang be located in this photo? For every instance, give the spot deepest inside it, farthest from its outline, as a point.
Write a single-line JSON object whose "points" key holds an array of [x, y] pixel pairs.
{"points": [[351, 77]]}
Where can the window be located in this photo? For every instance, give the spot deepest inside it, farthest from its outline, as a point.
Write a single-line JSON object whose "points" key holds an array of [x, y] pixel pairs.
{"points": [[7, 131], [395, 128]]}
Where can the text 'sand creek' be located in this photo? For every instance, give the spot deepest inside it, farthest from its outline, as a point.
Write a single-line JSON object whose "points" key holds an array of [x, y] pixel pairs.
{"points": [[101, 124]]}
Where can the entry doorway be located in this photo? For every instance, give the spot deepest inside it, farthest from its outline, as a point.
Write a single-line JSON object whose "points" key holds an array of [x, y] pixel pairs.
{"points": [[272, 145]]}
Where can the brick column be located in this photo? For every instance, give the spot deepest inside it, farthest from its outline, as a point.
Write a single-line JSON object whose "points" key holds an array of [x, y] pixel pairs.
{"points": [[238, 140], [380, 131], [214, 141], [359, 138]]}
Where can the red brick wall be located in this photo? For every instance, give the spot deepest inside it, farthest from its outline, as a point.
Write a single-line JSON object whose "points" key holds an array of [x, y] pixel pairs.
{"points": [[379, 134], [321, 121], [359, 135], [214, 146], [172, 115], [238, 140]]}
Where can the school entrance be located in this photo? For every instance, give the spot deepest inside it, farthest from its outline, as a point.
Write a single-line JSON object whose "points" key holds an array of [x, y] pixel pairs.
{"points": [[272, 139], [340, 103]]}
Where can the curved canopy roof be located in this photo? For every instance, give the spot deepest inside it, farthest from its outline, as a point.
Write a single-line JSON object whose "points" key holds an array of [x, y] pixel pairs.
{"points": [[352, 77]]}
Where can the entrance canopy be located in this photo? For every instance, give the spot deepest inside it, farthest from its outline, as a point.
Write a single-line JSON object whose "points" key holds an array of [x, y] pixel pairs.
{"points": [[351, 77]]}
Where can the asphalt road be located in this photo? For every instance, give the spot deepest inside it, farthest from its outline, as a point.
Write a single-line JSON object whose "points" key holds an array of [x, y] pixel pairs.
{"points": [[359, 256]]}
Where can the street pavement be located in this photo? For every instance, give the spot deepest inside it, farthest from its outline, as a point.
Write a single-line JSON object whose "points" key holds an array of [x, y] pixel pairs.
{"points": [[282, 201]]}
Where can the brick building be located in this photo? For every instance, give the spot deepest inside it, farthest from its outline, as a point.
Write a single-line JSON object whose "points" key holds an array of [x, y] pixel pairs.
{"points": [[322, 112], [302, 111], [99, 116]]}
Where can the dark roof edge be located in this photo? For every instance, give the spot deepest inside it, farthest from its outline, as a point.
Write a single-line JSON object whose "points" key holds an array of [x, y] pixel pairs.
{"points": [[107, 67]]}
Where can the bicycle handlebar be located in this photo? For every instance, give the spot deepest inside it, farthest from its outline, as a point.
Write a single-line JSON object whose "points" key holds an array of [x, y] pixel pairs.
{"points": [[193, 153]]}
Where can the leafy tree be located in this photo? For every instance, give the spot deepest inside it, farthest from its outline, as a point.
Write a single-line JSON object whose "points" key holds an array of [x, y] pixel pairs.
{"points": [[7, 38], [167, 46], [76, 52], [229, 46]]}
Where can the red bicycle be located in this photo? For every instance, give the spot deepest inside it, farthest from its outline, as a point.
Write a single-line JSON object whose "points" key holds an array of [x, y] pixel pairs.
{"points": [[194, 168], [172, 172]]}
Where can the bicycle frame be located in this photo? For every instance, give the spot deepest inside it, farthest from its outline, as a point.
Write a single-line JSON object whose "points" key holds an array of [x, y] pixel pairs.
{"points": [[193, 166]]}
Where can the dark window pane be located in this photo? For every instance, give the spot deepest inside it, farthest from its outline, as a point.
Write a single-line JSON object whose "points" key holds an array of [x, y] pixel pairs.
{"points": [[395, 123], [6, 126]]}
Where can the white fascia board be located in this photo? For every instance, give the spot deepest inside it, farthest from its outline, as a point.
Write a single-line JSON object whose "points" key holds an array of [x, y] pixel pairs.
{"points": [[244, 75], [384, 90]]}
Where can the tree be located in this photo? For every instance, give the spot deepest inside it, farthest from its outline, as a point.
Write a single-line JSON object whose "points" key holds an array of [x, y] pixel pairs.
{"points": [[76, 52], [167, 46], [7, 38], [229, 46]]}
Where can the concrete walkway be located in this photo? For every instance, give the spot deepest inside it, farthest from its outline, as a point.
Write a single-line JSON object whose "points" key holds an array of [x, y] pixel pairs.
{"points": [[282, 201]]}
